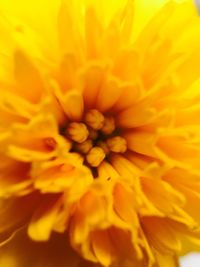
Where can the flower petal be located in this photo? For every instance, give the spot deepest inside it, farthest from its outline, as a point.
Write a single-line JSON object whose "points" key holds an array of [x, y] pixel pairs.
{"points": [[22, 252]]}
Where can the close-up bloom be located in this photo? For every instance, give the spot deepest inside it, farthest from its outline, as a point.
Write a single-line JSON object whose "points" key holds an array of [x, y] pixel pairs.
{"points": [[99, 133]]}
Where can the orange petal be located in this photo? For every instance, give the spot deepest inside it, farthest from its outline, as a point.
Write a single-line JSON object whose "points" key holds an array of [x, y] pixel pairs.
{"points": [[22, 252]]}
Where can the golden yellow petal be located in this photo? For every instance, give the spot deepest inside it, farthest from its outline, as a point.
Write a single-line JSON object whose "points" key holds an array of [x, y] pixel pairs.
{"points": [[24, 71], [161, 235]]}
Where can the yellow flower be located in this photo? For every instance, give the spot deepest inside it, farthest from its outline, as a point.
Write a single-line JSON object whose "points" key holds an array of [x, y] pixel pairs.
{"points": [[99, 133]]}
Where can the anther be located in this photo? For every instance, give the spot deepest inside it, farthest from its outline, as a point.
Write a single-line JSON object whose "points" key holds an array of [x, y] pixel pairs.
{"points": [[108, 125], [94, 119], [104, 146], [84, 147], [93, 134], [78, 132], [117, 144], [95, 156]]}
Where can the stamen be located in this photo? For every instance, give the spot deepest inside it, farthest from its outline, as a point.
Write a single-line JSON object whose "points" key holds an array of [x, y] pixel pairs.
{"points": [[93, 134], [78, 132], [95, 138], [50, 143], [117, 144], [94, 119], [108, 125], [104, 146], [84, 147], [95, 156]]}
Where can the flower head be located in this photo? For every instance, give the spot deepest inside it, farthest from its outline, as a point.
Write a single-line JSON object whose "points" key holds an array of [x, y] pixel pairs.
{"points": [[100, 136]]}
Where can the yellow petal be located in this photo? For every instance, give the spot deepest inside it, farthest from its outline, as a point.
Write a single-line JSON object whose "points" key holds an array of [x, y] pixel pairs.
{"points": [[73, 105], [71, 23], [164, 260], [103, 248], [25, 72], [163, 195], [92, 79], [108, 94], [137, 115], [93, 30], [125, 205], [161, 235]]}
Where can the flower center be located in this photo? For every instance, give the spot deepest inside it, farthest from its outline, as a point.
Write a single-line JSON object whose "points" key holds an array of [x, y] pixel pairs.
{"points": [[95, 137]]}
